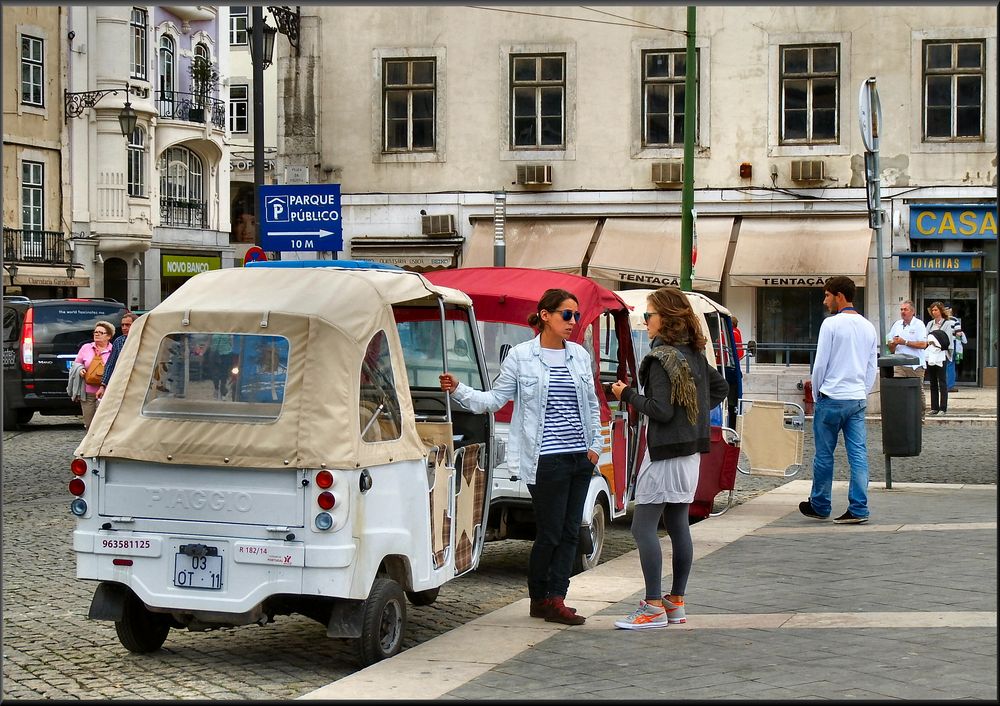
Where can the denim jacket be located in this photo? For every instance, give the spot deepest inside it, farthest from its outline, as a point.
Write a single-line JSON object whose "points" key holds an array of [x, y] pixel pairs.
{"points": [[524, 378]]}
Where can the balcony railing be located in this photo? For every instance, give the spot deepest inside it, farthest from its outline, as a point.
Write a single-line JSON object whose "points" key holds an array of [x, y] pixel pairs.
{"points": [[183, 213], [192, 108], [44, 246]]}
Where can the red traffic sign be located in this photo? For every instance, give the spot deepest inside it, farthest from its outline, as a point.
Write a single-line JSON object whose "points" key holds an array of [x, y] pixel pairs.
{"points": [[254, 254]]}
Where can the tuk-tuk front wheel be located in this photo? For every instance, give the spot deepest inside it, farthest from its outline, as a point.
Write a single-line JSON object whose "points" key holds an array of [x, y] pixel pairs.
{"points": [[384, 622], [585, 562]]}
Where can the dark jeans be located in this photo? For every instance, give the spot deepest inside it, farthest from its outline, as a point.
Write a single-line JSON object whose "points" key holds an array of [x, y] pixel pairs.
{"points": [[558, 495], [938, 375]]}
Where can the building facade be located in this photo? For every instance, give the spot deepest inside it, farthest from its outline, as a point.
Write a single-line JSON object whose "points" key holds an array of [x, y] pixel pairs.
{"points": [[37, 255], [576, 115], [149, 209]]}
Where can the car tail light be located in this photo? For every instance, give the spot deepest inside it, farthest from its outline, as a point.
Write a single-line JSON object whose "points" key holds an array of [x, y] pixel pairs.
{"points": [[324, 479], [79, 466], [28, 342], [325, 500], [77, 486]]}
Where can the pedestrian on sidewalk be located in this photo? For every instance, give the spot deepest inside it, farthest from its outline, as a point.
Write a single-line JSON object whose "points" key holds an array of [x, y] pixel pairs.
{"points": [[843, 375], [938, 361], [93, 357], [958, 348], [908, 336], [116, 348], [679, 390], [550, 380]]}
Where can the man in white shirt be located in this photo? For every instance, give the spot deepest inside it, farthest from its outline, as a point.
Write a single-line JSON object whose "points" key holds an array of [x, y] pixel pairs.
{"points": [[843, 374], [909, 336]]}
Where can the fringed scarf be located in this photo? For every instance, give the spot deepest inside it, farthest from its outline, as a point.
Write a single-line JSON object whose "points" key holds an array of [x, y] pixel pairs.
{"points": [[683, 391]]}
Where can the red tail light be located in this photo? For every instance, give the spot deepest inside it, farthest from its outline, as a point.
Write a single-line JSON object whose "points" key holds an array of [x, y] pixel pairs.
{"points": [[324, 479], [77, 486], [28, 342], [79, 466], [325, 500]]}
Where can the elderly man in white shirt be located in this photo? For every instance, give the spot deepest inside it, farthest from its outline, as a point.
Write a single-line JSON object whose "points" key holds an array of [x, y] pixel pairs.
{"points": [[908, 336]]}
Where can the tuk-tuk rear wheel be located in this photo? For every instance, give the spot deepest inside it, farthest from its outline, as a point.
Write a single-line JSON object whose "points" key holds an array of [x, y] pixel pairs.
{"points": [[384, 622]]}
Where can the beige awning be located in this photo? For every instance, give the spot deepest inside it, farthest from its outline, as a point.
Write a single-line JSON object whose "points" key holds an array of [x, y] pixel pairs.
{"points": [[546, 244], [48, 276], [648, 251], [415, 254], [800, 252]]}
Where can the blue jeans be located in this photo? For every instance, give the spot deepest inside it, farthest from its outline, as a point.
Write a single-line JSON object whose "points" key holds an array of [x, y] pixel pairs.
{"points": [[558, 495], [829, 419]]}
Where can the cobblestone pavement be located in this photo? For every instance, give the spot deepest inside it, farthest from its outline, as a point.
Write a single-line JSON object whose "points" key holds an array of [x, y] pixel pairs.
{"points": [[52, 651]]}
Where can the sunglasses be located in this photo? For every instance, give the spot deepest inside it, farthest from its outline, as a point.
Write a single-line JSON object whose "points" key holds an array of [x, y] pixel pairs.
{"points": [[568, 314], [647, 315]]}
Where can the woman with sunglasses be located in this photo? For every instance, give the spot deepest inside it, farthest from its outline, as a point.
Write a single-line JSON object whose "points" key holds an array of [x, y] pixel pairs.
{"points": [[679, 390], [100, 346], [553, 444]]}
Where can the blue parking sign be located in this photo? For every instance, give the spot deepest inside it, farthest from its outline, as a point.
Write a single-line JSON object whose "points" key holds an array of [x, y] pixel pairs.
{"points": [[301, 217]]}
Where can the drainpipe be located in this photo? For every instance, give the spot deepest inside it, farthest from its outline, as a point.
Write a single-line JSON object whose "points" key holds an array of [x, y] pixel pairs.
{"points": [[499, 218]]}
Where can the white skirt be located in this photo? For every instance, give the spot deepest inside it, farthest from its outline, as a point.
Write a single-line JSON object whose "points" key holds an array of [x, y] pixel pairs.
{"points": [[672, 480]]}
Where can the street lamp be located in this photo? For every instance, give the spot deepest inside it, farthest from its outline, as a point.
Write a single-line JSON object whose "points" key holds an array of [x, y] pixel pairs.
{"points": [[267, 42], [76, 103]]}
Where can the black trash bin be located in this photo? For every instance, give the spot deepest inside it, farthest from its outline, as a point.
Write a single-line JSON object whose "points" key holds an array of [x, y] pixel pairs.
{"points": [[900, 397]]}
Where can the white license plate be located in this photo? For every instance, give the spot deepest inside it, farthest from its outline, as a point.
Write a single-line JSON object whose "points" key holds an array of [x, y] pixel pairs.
{"points": [[197, 571]]}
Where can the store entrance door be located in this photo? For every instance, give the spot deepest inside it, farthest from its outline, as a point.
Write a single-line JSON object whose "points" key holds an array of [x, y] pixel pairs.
{"points": [[961, 292]]}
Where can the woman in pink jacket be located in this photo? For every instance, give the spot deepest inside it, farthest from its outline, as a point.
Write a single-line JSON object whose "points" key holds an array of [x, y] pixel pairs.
{"points": [[101, 346]]}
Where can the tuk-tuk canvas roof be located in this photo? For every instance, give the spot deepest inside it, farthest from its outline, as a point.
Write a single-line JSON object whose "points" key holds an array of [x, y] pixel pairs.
{"points": [[327, 315]]}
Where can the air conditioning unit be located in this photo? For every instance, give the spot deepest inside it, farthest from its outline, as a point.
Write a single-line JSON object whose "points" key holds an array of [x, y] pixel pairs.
{"points": [[438, 226], [808, 170], [534, 174], [668, 172]]}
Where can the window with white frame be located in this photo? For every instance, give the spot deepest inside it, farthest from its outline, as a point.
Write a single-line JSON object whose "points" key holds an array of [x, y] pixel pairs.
{"points": [[182, 189], [954, 84], [239, 108], [32, 190], [137, 163], [538, 101], [32, 71], [238, 25], [663, 86], [810, 94], [409, 97], [167, 64], [137, 47]]}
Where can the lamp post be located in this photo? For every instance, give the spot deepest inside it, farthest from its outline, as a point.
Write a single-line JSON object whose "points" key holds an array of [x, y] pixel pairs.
{"points": [[76, 103], [261, 38]]}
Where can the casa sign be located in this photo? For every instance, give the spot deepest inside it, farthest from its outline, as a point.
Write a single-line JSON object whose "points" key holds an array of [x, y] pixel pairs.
{"points": [[953, 221]]}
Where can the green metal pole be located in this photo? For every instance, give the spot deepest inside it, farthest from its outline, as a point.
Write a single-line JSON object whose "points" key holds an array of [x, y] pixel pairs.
{"points": [[687, 196]]}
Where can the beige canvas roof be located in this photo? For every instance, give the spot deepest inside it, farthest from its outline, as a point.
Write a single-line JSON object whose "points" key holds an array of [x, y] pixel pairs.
{"points": [[636, 298], [328, 316]]}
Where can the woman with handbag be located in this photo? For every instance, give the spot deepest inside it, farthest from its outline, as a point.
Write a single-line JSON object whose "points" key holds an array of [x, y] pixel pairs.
{"points": [[679, 390], [93, 356], [940, 333]]}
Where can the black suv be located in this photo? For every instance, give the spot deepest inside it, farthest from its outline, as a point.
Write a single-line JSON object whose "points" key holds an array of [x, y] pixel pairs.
{"points": [[41, 337]]}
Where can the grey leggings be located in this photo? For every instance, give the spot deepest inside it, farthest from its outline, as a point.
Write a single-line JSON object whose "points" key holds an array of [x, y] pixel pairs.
{"points": [[645, 519]]}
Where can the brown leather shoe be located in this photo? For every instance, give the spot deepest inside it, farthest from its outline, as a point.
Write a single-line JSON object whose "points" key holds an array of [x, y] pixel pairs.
{"points": [[540, 608], [559, 612]]}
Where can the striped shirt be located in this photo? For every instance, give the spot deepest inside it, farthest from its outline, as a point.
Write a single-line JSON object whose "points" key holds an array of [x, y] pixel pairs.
{"points": [[563, 428]]}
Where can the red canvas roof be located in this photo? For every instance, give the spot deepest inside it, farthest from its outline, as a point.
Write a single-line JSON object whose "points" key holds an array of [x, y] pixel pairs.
{"points": [[510, 294]]}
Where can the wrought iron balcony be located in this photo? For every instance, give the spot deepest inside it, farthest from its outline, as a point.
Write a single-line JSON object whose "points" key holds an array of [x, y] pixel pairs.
{"points": [[191, 107], [42, 246], [183, 213]]}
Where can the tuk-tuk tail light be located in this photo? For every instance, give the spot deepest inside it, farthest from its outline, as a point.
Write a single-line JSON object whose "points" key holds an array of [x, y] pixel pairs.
{"points": [[324, 521], [324, 479], [326, 500]]}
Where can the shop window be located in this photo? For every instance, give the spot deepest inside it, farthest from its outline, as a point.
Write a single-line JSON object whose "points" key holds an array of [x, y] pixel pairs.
{"points": [[788, 321], [381, 419]]}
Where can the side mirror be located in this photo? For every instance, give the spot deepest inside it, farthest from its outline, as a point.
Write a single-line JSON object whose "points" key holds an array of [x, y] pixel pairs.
{"points": [[752, 348]]}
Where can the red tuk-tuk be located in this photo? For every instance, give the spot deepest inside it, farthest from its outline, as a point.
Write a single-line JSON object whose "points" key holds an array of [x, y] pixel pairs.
{"points": [[503, 297]]}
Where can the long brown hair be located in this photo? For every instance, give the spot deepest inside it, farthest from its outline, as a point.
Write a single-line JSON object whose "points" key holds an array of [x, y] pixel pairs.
{"points": [[550, 301], [678, 322]]}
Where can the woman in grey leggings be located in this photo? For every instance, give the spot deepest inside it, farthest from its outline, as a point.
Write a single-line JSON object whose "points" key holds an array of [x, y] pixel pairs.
{"points": [[679, 388]]}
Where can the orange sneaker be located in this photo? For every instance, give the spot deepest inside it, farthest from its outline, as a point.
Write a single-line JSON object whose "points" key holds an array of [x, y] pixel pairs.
{"points": [[675, 610]]}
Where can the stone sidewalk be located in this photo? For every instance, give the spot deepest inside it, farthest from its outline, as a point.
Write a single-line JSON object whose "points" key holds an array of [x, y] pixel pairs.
{"points": [[779, 606]]}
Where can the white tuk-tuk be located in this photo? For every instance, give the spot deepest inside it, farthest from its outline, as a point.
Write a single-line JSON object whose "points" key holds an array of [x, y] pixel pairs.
{"points": [[258, 453]]}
